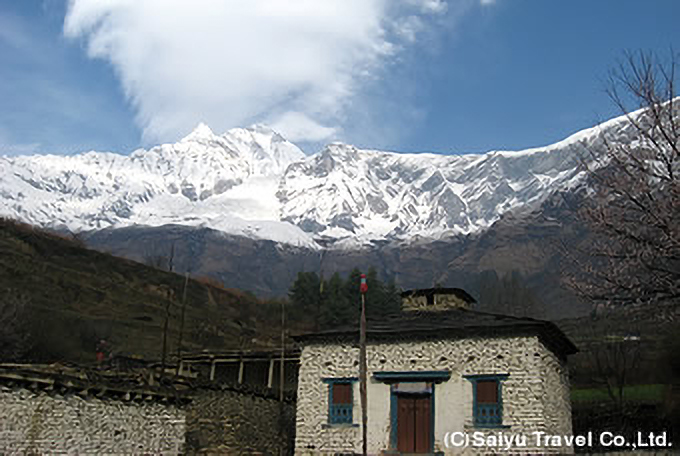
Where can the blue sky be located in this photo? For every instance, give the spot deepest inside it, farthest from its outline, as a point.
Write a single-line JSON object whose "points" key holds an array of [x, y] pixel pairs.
{"points": [[406, 75]]}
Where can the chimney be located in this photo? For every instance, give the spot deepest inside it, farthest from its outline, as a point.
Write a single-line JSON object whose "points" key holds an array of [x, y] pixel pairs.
{"points": [[436, 299]]}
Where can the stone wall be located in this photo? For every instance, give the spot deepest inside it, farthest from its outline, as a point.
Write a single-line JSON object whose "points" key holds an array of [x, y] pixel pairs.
{"points": [[234, 422], [35, 422], [557, 393], [441, 301], [535, 394]]}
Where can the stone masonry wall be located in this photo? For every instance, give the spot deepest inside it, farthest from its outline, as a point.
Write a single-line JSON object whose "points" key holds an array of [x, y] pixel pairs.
{"points": [[34, 422], [232, 422], [442, 301], [535, 395], [557, 393]]}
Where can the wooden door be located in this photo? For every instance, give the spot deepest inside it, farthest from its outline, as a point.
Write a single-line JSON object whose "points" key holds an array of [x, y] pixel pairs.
{"points": [[423, 416], [414, 421]]}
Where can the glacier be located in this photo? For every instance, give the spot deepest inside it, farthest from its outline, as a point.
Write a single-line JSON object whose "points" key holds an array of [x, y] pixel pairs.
{"points": [[253, 182]]}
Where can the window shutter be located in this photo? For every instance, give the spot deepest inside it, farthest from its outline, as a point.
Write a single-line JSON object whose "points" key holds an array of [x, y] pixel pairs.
{"points": [[487, 392], [340, 403], [342, 393], [488, 402]]}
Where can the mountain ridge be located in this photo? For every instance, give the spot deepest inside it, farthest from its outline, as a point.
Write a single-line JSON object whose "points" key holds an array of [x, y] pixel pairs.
{"points": [[252, 182]]}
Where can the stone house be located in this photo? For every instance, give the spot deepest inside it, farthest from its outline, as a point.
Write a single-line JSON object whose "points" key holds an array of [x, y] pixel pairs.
{"points": [[442, 379]]}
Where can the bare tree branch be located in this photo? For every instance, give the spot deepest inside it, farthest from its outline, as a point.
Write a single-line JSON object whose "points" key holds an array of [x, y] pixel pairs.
{"points": [[632, 206]]}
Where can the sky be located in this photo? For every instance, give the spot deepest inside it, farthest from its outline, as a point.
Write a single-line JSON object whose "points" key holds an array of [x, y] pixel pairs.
{"points": [[447, 76]]}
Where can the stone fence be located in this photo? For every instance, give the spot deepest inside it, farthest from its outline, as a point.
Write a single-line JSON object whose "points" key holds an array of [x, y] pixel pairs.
{"points": [[233, 421], [39, 422], [52, 412]]}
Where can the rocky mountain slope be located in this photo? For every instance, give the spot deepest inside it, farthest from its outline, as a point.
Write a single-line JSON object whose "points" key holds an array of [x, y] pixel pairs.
{"points": [[204, 179], [528, 243], [249, 208], [252, 182]]}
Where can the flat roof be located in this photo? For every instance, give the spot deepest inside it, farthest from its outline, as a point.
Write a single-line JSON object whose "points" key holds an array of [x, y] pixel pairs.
{"points": [[448, 324]]}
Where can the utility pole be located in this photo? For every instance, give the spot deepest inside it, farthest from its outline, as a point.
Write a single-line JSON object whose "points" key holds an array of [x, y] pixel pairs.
{"points": [[283, 349], [165, 335], [319, 302], [181, 324], [281, 375], [363, 367]]}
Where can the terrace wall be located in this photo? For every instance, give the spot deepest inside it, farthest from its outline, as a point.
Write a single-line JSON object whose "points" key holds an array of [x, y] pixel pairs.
{"points": [[38, 422], [223, 421]]}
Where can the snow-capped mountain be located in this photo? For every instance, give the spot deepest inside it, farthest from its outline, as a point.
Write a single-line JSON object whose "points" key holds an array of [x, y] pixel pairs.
{"points": [[227, 182], [252, 182]]}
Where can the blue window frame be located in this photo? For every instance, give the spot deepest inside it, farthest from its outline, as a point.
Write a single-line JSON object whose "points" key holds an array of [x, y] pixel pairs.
{"points": [[340, 400], [487, 400]]}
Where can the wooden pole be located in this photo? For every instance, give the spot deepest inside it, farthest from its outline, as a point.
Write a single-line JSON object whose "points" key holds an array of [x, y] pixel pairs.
{"points": [[270, 374], [181, 325], [319, 303], [362, 376], [165, 336], [283, 350], [282, 377]]}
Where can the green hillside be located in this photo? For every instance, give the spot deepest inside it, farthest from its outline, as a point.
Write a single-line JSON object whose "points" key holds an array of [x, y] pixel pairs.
{"points": [[58, 299]]}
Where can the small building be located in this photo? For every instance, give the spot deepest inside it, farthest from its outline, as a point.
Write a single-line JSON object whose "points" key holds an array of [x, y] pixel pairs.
{"points": [[436, 299], [442, 379]]}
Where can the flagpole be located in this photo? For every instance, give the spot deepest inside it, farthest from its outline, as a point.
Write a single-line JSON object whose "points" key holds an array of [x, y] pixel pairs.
{"points": [[363, 367]]}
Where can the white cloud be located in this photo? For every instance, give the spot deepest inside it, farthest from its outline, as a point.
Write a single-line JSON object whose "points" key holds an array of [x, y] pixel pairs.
{"points": [[298, 127], [432, 6], [294, 64], [409, 28], [487, 2]]}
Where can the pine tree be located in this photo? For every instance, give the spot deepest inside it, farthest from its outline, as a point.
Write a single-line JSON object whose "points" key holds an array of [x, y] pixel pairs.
{"points": [[305, 296], [353, 295], [336, 308], [337, 302]]}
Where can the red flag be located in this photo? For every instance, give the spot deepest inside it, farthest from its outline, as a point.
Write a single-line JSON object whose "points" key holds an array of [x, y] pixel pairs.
{"points": [[364, 286]]}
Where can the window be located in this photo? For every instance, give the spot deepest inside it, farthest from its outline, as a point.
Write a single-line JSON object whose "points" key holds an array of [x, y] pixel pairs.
{"points": [[487, 403], [430, 299], [340, 400]]}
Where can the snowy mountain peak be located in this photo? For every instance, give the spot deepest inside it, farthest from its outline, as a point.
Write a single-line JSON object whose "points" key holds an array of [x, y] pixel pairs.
{"points": [[336, 154], [339, 149], [253, 182], [263, 129], [202, 131]]}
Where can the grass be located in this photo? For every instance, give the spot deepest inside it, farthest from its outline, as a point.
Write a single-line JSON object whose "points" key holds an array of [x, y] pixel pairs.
{"points": [[653, 393], [77, 296]]}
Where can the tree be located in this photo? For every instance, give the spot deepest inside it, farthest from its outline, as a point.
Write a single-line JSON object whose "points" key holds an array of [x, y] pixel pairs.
{"points": [[305, 296], [611, 355], [508, 295], [336, 308], [381, 299], [391, 302], [375, 294], [336, 302], [353, 295], [632, 208]]}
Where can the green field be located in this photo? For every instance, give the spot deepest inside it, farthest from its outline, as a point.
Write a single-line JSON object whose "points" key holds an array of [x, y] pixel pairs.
{"points": [[635, 393]]}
